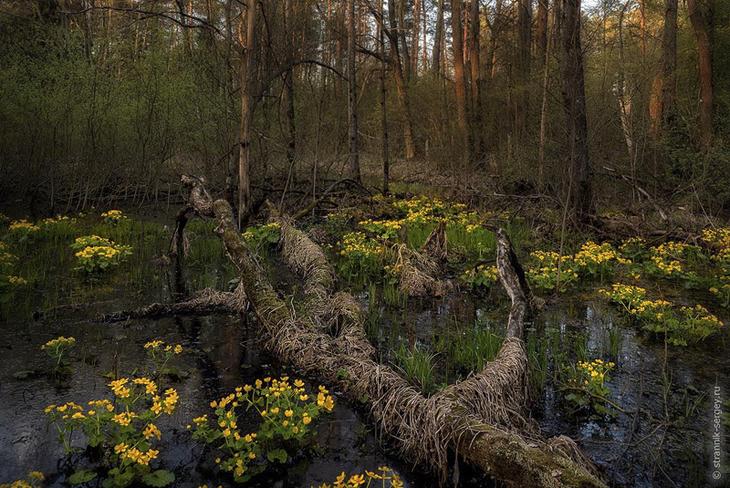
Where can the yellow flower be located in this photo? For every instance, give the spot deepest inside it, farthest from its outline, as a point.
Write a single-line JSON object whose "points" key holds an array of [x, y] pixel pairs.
{"points": [[152, 431]]}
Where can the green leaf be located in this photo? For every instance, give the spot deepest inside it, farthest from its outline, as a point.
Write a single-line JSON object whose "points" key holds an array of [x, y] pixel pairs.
{"points": [[81, 476], [277, 455], [161, 477]]}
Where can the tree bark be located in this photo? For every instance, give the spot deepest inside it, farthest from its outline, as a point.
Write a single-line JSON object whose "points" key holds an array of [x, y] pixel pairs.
{"points": [[400, 83], [438, 40], [701, 16], [475, 73], [522, 98], [247, 77], [541, 31], [352, 95], [664, 88], [383, 100], [457, 43], [574, 103]]}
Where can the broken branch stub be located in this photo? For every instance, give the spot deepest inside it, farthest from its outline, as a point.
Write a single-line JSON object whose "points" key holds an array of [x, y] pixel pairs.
{"points": [[480, 418]]}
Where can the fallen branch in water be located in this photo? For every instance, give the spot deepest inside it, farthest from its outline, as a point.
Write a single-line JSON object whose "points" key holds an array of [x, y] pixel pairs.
{"points": [[204, 302], [482, 419]]}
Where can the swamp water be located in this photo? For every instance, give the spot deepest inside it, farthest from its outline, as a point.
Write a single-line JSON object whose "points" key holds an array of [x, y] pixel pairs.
{"points": [[666, 444]]}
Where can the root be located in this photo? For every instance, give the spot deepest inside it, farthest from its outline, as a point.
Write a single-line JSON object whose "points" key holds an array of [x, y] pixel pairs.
{"points": [[480, 418]]}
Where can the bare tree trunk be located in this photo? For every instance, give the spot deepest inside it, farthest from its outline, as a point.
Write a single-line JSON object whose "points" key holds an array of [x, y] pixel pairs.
{"points": [[475, 72], [247, 77], [417, 6], [541, 31], [457, 43], [291, 149], [625, 100], [352, 95], [438, 39], [574, 101], [402, 6], [701, 16], [524, 23], [400, 83], [383, 99], [543, 111], [664, 89]]}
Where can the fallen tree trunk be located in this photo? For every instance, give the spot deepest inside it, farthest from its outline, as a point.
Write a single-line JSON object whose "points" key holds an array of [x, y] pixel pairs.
{"points": [[482, 418]]}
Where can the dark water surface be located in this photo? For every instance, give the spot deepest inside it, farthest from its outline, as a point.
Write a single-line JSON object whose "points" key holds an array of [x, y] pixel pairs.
{"points": [[666, 444]]}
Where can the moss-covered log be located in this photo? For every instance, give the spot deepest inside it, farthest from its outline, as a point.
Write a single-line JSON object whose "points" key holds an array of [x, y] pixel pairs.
{"points": [[480, 418]]}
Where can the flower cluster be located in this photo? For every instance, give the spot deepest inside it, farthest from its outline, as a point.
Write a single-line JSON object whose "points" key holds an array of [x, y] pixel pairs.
{"points": [[383, 476], [126, 429], [57, 348], [160, 353], [286, 411], [633, 248], [717, 238], [480, 276], [679, 326], [361, 256], [597, 259], [383, 229], [587, 384], [60, 225], [552, 271], [721, 290], [260, 236], [668, 259], [628, 296], [113, 216], [95, 253], [22, 230], [34, 479]]}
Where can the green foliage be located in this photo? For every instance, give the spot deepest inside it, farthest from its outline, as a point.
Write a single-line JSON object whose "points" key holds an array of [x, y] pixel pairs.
{"points": [[417, 365], [96, 254], [361, 258], [680, 326], [58, 350], [125, 431], [286, 411], [481, 276], [262, 237], [469, 349], [586, 385]]}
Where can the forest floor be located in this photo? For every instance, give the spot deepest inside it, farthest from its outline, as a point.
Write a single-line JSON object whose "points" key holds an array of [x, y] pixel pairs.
{"points": [[624, 356]]}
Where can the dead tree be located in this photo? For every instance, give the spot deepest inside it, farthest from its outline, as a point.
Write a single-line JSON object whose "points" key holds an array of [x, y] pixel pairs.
{"points": [[482, 419]]}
